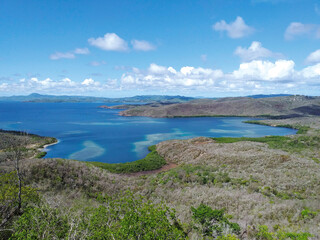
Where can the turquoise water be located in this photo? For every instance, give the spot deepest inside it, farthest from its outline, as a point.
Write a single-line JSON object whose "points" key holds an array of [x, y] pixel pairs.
{"points": [[88, 133]]}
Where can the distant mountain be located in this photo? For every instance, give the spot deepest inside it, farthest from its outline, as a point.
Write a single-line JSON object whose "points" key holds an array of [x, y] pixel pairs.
{"points": [[35, 97]]}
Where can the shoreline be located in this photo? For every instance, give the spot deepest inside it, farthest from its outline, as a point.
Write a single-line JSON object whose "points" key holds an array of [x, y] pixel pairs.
{"points": [[43, 148]]}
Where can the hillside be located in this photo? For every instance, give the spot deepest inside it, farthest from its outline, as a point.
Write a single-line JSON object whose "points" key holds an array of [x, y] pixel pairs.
{"points": [[286, 106]]}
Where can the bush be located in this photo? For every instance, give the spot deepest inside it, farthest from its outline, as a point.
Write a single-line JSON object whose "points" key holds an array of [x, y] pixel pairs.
{"points": [[264, 234], [213, 222], [124, 217]]}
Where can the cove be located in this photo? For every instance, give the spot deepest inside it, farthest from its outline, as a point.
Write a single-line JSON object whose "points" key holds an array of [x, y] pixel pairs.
{"points": [[88, 133]]}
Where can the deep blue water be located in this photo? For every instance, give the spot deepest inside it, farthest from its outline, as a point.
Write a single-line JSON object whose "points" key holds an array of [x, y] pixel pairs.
{"points": [[88, 133]]}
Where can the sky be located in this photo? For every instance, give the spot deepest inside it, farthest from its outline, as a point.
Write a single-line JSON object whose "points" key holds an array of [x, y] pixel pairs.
{"points": [[124, 48]]}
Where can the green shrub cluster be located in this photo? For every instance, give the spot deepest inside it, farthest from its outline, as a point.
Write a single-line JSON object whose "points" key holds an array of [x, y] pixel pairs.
{"points": [[152, 161], [263, 233], [201, 175], [212, 223], [125, 217]]}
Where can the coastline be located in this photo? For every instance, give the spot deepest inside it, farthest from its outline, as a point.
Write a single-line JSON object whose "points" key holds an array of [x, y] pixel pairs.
{"points": [[44, 147]]}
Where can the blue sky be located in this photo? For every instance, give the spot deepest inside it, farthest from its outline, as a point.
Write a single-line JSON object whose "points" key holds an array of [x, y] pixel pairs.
{"points": [[124, 48]]}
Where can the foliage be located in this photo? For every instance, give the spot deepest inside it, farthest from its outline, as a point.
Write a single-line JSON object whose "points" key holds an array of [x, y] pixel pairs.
{"points": [[263, 233], [213, 222], [41, 154], [124, 217], [227, 237], [296, 144], [203, 175], [9, 193], [152, 161], [41, 223], [306, 213]]}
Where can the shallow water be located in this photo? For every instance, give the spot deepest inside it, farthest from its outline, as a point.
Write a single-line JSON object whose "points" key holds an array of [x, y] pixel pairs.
{"points": [[88, 133]]}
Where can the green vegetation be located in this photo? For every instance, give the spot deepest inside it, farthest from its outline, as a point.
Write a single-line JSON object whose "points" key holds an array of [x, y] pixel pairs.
{"points": [[41, 154], [152, 161], [263, 233], [295, 144], [212, 223], [124, 217], [199, 174]]}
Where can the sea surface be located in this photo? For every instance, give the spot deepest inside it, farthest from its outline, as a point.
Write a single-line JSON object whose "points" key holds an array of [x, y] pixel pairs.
{"points": [[88, 133]]}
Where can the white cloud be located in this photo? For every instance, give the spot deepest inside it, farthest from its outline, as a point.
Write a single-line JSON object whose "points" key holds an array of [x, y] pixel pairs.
{"points": [[83, 51], [142, 45], [109, 42], [156, 69], [70, 54], [257, 76], [296, 29], [90, 82], [96, 63], [311, 72], [236, 29], [265, 70], [60, 55], [314, 57], [255, 51]]}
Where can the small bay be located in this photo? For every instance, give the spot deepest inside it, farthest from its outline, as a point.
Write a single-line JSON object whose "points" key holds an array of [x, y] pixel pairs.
{"points": [[88, 133]]}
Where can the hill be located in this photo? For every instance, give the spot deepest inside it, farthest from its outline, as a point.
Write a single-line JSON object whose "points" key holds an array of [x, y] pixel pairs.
{"points": [[286, 106]]}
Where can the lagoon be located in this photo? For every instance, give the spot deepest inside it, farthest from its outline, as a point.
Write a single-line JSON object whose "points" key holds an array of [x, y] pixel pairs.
{"points": [[88, 133]]}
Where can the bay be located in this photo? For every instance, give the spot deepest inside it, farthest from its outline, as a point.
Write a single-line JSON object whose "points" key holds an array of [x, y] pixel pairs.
{"points": [[88, 133]]}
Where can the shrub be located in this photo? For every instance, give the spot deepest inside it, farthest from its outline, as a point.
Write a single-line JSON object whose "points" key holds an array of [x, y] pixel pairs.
{"points": [[212, 222]]}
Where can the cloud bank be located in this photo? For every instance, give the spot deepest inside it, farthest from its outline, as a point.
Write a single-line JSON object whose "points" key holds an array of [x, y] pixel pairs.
{"points": [[261, 76]]}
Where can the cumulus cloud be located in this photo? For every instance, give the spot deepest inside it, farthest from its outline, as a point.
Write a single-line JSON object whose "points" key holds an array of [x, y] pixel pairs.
{"points": [[70, 54], [109, 42], [296, 29], [257, 75], [142, 45], [313, 57], [254, 52], [90, 82], [236, 29], [265, 70]]}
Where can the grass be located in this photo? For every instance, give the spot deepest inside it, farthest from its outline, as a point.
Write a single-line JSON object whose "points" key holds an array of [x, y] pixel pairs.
{"points": [[152, 161]]}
